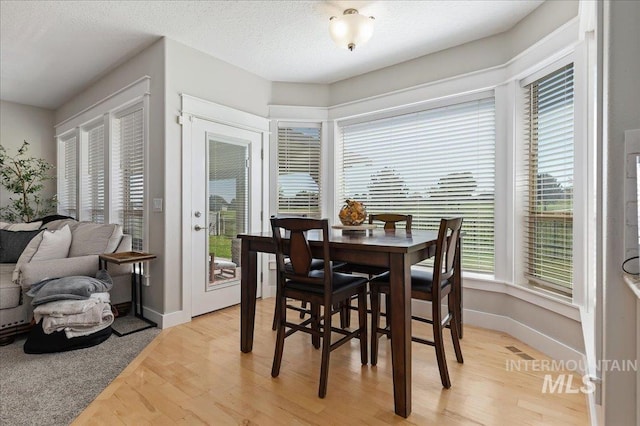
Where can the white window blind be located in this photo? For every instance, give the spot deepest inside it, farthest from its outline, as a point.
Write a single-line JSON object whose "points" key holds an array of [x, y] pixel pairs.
{"points": [[548, 236], [67, 185], [431, 164], [299, 188], [93, 175], [128, 172]]}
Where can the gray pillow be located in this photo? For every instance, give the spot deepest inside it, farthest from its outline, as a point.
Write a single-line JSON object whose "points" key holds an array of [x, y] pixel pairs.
{"points": [[74, 287], [12, 244]]}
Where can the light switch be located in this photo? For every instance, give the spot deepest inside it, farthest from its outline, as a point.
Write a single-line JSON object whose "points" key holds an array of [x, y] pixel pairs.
{"points": [[157, 204]]}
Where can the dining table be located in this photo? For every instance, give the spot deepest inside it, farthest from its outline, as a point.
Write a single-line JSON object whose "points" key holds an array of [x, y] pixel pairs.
{"points": [[397, 250]]}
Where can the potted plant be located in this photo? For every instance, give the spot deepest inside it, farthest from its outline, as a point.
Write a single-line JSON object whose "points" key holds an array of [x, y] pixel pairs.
{"points": [[24, 176]]}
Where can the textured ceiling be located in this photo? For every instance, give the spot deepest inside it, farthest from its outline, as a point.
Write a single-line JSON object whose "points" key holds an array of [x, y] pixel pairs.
{"points": [[50, 50]]}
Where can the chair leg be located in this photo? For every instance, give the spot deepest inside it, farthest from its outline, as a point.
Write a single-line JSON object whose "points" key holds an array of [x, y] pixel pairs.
{"points": [[375, 324], [345, 313], [315, 324], [362, 323], [277, 356], [455, 327], [303, 305], [276, 312], [326, 350], [439, 345]]}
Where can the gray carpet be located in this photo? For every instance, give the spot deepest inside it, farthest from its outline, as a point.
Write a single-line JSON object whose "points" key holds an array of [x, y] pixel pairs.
{"points": [[53, 389]]}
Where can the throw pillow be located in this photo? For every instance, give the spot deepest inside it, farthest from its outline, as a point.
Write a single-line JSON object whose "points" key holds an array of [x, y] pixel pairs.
{"points": [[31, 226], [26, 255], [59, 224], [13, 243], [54, 245], [94, 238]]}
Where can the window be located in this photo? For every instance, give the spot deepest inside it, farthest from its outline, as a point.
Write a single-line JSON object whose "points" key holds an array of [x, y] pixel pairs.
{"points": [[299, 189], [93, 176], [111, 172], [433, 163], [548, 233], [128, 172], [67, 177]]}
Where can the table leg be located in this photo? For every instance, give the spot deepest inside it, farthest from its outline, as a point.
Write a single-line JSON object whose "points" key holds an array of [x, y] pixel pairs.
{"points": [[400, 287], [248, 289], [139, 278]]}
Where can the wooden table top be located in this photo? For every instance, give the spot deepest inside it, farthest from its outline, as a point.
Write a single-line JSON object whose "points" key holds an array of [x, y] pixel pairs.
{"points": [[127, 257]]}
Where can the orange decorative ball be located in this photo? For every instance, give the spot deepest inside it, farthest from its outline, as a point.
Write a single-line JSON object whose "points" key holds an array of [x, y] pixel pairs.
{"points": [[352, 213]]}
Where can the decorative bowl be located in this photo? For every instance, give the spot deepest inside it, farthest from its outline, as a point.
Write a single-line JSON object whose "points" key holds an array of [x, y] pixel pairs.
{"points": [[352, 213]]}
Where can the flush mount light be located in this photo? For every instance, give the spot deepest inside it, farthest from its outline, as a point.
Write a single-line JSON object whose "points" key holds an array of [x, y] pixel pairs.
{"points": [[351, 29]]}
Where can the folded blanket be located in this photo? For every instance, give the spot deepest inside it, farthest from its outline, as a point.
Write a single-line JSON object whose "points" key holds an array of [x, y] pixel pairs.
{"points": [[59, 308], [95, 318], [79, 331], [74, 287]]}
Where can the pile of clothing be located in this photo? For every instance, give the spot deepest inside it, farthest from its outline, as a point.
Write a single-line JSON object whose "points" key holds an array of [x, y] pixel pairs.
{"points": [[70, 313]]}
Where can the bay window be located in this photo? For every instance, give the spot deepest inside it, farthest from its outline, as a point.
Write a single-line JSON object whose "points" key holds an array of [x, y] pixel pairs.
{"points": [[433, 163]]}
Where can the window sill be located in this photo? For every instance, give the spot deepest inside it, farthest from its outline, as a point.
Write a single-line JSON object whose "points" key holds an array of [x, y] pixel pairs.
{"points": [[561, 305]]}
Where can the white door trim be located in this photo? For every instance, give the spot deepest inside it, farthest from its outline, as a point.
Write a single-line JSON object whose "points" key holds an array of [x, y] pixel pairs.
{"points": [[193, 107]]}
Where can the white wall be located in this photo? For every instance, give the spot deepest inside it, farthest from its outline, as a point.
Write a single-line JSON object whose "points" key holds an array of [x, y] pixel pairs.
{"points": [[149, 62], [20, 122], [622, 111], [316, 95], [477, 55], [195, 73]]}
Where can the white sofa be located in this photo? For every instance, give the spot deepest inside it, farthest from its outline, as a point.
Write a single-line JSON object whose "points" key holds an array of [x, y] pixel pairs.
{"points": [[88, 240]]}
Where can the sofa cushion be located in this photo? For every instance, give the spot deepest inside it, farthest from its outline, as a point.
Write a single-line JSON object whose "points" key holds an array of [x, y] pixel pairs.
{"points": [[54, 245], [94, 238], [12, 243], [9, 292]]}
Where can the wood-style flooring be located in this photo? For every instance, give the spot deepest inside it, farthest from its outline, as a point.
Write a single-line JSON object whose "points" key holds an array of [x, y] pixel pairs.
{"points": [[195, 374]]}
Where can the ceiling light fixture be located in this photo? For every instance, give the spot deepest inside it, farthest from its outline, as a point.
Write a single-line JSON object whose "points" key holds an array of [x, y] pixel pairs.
{"points": [[351, 29]]}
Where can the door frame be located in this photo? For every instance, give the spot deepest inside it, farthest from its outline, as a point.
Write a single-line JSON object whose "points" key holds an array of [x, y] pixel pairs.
{"points": [[197, 108]]}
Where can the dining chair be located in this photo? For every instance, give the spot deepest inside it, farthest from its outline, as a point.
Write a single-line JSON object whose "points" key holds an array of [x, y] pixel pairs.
{"points": [[423, 288], [390, 221], [320, 288]]}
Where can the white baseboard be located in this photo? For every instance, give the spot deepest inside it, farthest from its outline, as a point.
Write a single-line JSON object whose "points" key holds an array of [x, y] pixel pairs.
{"points": [[545, 344], [166, 320]]}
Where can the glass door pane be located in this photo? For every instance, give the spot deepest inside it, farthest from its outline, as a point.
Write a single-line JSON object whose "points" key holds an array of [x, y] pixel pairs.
{"points": [[227, 209]]}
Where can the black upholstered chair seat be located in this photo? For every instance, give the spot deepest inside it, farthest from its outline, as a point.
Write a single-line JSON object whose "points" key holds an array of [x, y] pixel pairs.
{"points": [[340, 282], [421, 280]]}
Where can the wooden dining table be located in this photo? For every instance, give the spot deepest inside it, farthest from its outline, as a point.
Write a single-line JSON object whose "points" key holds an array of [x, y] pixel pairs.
{"points": [[396, 250]]}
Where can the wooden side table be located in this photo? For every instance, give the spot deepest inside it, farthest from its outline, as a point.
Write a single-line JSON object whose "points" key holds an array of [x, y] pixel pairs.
{"points": [[137, 275]]}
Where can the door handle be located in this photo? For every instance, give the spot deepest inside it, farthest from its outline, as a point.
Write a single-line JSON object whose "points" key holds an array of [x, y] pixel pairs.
{"points": [[198, 228]]}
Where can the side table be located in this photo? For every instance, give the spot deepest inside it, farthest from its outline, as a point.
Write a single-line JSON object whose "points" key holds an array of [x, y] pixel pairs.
{"points": [[137, 275]]}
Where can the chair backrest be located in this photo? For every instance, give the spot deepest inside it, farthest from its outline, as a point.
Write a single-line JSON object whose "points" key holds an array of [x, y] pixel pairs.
{"points": [[390, 220], [447, 250], [290, 237]]}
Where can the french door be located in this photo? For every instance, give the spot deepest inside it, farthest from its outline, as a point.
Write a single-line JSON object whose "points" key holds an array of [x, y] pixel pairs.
{"points": [[226, 200]]}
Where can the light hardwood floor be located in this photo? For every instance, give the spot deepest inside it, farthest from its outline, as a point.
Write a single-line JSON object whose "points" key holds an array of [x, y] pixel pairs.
{"points": [[195, 374]]}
